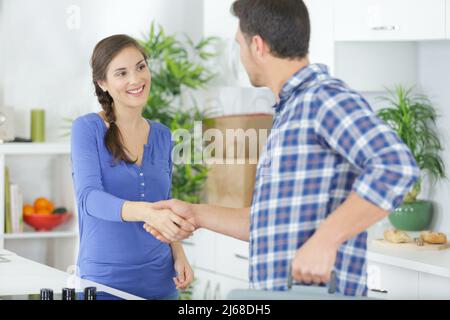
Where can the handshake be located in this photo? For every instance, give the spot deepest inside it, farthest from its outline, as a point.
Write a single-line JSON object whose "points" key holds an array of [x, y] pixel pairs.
{"points": [[171, 220]]}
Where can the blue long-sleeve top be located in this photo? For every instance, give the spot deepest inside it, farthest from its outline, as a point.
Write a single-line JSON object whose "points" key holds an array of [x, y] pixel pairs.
{"points": [[112, 252]]}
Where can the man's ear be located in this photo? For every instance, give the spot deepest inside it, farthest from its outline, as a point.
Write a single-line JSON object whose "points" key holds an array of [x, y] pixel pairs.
{"points": [[259, 47]]}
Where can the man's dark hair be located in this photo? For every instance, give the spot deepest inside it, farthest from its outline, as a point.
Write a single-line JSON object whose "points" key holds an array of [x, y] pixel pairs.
{"points": [[283, 24]]}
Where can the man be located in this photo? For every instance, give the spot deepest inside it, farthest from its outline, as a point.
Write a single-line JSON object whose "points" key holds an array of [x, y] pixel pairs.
{"points": [[330, 168]]}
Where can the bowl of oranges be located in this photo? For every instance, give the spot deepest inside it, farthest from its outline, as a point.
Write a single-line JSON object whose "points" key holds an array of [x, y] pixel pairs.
{"points": [[43, 216]]}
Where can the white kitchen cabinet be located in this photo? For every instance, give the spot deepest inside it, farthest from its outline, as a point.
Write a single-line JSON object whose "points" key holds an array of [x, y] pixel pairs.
{"points": [[368, 20], [433, 287], [232, 257], [391, 282], [200, 249], [321, 46], [447, 18], [203, 284], [224, 285], [211, 286]]}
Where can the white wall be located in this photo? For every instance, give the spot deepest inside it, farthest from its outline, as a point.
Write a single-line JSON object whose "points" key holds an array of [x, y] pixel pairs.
{"points": [[2, 46], [434, 80], [46, 53]]}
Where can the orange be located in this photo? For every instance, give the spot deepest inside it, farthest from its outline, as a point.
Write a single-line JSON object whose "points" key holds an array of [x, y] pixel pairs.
{"points": [[28, 209], [43, 203], [43, 212]]}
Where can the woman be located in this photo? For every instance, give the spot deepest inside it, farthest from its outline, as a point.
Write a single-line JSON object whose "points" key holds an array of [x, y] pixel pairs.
{"points": [[121, 164]]}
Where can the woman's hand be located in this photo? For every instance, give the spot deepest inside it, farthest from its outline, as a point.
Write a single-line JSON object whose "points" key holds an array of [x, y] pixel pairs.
{"points": [[168, 224], [183, 209], [185, 274]]}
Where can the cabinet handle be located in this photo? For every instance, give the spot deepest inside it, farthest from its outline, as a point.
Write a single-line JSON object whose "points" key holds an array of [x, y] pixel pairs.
{"points": [[207, 289], [379, 290], [217, 292], [386, 28], [187, 243], [240, 256]]}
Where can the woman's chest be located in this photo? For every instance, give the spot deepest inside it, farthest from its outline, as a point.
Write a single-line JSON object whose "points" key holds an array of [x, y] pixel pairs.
{"points": [[149, 181]]}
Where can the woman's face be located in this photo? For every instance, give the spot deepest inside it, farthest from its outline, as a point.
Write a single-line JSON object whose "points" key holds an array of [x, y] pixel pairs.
{"points": [[128, 79]]}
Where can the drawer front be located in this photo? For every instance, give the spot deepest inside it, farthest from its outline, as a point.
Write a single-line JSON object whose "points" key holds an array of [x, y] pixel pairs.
{"points": [[204, 284], [389, 282], [205, 247], [365, 20], [190, 249], [232, 257], [434, 287], [224, 285]]}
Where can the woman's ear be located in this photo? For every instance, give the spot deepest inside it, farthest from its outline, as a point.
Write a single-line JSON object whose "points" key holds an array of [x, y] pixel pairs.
{"points": [[102, 86]]}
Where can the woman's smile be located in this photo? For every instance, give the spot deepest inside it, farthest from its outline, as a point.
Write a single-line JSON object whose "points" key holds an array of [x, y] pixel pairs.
{"points": [[138, 92]]}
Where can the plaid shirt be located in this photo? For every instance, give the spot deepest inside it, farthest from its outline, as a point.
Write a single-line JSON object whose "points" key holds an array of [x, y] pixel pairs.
{"points": [[325, 143]]}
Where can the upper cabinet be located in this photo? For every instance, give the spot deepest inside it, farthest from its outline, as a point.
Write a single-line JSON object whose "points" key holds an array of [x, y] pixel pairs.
{"points": [[321, 47], [448, 18], [386, 20]]}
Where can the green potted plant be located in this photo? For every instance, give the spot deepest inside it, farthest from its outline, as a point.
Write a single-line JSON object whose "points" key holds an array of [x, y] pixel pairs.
{"points": [[174, 65], [413, 117]]}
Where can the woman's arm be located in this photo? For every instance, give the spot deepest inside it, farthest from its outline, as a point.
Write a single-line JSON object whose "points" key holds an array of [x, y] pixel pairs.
{"points": [[86, 173], [185, 274]]}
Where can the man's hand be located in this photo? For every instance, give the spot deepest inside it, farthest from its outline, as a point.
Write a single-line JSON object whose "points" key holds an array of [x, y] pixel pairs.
{"points": [[185, 212], [314, 261]]}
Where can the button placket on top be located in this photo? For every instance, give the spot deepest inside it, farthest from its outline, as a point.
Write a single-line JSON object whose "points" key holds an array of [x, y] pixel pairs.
{"points": [[141, 184]]}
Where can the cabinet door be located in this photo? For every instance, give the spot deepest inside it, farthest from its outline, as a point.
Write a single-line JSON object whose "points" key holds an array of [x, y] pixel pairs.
{"points": [[434, 287], [190, 249], [232, 257], [203, 285], [365, 20], [223, 285], [389, 282], [447, 18], [205, 247], [321, 46]]}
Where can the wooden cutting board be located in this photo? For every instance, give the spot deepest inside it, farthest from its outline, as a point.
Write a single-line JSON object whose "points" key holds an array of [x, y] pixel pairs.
{"points": [[411, 245]]}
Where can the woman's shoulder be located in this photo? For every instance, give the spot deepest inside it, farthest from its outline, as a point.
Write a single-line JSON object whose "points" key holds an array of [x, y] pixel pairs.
{"points": [[87, 122], [160, 129], [89, 119]]}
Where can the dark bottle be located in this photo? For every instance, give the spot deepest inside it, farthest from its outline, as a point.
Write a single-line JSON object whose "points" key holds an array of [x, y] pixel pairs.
{"points": [[90, 293], [46, 294], [68, 294]]}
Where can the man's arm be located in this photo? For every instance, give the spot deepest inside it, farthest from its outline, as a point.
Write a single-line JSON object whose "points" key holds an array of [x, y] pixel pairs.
{"points": [[352, 217], [228, 221]]}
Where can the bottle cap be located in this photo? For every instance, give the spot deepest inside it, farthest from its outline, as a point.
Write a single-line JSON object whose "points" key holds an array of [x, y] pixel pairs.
{"points": [[90, 293], [68, 294], [46, 294]]}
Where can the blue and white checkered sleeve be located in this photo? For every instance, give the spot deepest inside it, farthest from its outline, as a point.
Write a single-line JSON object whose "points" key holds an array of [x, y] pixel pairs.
{"points": [[345, 123]]}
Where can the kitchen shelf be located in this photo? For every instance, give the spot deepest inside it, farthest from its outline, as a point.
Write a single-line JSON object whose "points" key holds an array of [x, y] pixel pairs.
{"points": [[35, 148], [40, 235]]}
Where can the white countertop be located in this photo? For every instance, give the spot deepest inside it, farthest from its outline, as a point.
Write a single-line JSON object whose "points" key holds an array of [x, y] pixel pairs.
{"points": [[20, 276], [436, 262]]}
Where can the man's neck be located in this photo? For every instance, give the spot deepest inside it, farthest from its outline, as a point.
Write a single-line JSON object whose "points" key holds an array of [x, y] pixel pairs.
{"points": [[281, 71]]}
